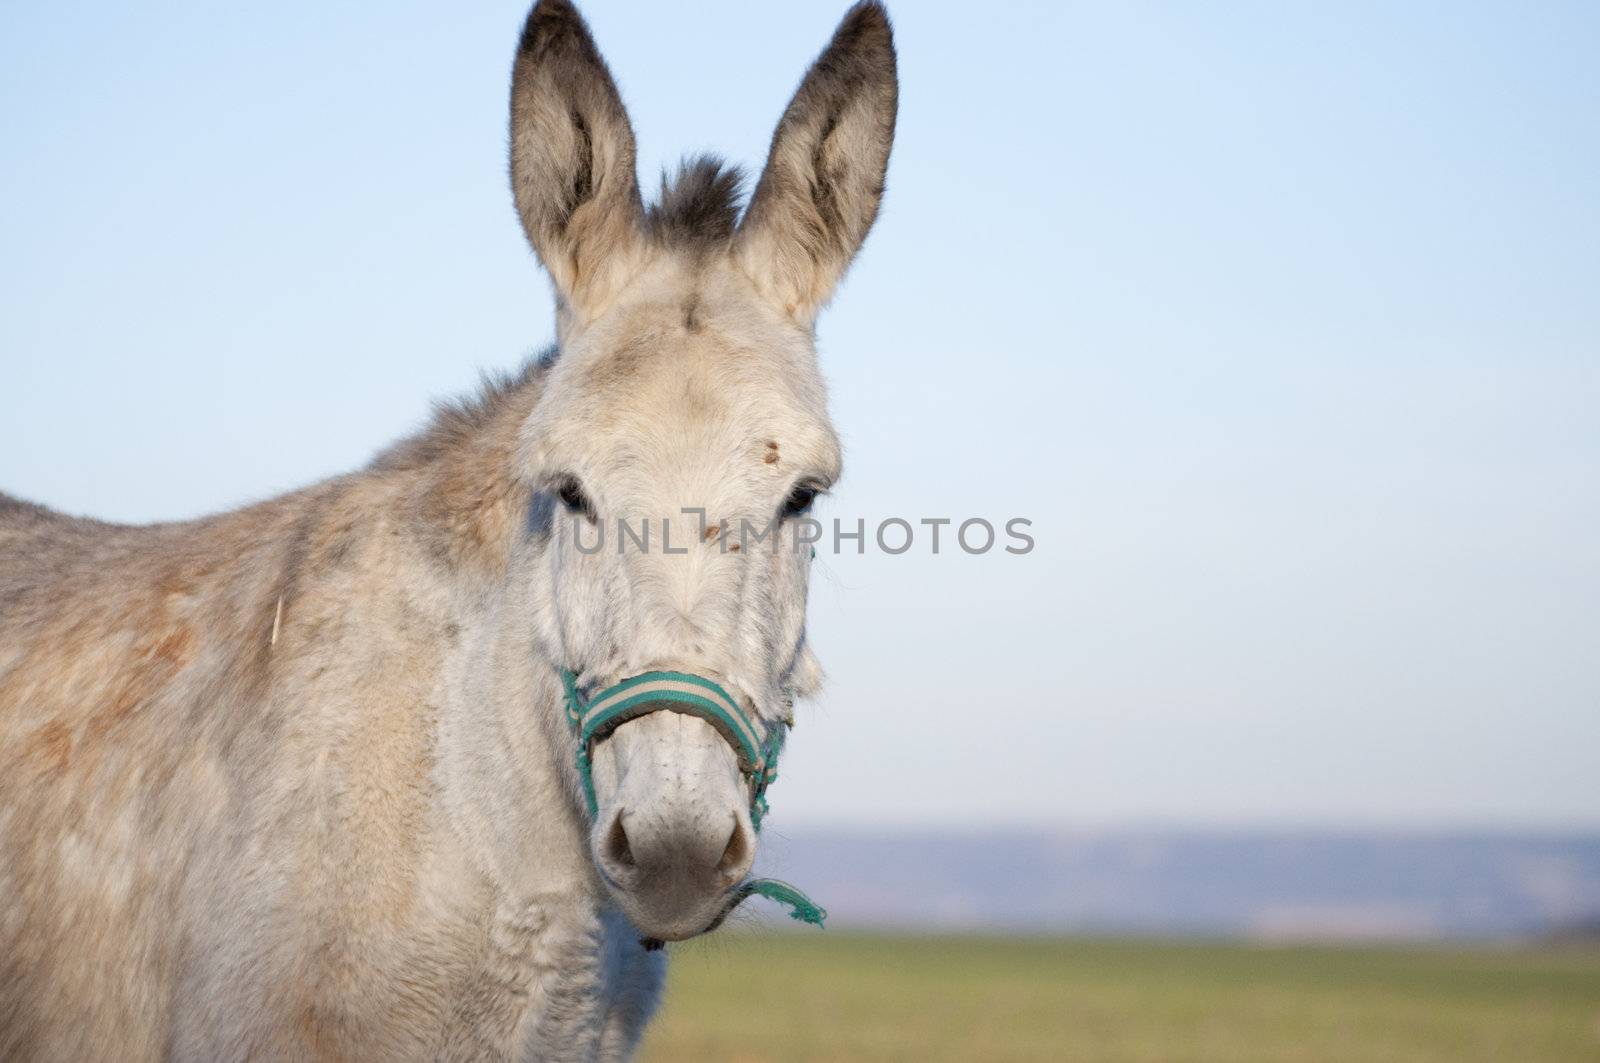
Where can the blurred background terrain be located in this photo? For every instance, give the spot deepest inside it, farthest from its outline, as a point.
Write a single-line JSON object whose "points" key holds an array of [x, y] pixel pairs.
{"points": [[1263, 885], [1156, 946], [834, 997], [1278, 321]]}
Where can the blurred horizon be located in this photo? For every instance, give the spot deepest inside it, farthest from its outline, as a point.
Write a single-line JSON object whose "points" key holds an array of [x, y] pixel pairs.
{"points": [[1280, 884], [1279, 324]]}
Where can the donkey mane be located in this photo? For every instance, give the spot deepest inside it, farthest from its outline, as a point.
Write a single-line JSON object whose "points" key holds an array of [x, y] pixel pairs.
{"points": [[458, 421], [699, 206]]}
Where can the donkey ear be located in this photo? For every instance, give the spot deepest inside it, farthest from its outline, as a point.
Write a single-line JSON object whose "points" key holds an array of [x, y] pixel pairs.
{"points": [[572, 158], [824, 177]]}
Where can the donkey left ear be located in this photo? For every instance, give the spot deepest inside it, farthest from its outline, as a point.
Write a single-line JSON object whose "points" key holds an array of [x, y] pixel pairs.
{"points": [[572, 158], [820, 190]]}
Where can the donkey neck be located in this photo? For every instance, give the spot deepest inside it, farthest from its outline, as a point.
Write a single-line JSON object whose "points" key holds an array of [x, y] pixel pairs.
{"points": [[500, 725]]}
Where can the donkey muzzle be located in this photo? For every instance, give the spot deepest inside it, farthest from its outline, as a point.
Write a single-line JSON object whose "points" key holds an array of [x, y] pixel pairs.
{"points": [[673, 836], [674, 771]]}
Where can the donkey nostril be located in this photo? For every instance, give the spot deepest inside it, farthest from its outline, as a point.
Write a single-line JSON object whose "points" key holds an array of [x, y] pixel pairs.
{"points": [[617, 849], [736, 856]]}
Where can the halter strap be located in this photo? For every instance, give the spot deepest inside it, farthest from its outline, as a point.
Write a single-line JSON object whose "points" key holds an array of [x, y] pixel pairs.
{"points": [[755, 742]]}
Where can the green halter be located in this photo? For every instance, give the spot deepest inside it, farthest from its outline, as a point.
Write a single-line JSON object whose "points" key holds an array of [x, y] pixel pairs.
{"points": [[756, 743]]}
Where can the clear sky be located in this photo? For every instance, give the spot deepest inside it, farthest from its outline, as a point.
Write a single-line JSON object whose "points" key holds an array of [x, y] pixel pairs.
{"points": [[1280, 321]]}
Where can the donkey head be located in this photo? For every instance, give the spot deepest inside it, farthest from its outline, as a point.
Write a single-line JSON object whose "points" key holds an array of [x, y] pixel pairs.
{"points": [[684, 428]]}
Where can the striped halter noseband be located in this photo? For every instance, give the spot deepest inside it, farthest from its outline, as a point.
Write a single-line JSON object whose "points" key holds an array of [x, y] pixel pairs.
{"points": [[756, 743]]}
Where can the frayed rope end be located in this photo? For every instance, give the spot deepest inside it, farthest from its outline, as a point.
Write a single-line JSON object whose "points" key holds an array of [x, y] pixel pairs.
{"points": [[801, 908]]}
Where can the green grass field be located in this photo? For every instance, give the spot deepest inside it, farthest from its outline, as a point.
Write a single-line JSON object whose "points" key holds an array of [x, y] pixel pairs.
{"points": [[833, 996]]}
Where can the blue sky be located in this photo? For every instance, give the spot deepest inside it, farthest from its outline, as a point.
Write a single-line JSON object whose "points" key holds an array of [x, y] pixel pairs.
{"points": [[1279, 321]]}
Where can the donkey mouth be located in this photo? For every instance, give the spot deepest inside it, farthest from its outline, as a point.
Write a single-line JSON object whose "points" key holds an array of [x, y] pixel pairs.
{"points": [[675, 920]]}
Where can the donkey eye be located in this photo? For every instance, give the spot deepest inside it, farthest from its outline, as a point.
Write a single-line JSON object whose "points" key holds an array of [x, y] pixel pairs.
{"points": [[570, 491], [799, 500]]}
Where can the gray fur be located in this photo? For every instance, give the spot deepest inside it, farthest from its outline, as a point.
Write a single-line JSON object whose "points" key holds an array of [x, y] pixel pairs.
{"points": [[572, 156], [294, 782]]}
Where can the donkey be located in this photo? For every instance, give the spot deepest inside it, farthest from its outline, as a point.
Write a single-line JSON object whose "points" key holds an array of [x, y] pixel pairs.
{"points": [[298, 781]]}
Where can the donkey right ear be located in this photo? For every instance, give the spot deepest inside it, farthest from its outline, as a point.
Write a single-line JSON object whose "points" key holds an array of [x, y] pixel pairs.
{"points": [[819, 194], [572, 159]]}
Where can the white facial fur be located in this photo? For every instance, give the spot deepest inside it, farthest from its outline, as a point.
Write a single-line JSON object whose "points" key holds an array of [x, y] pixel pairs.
{"points": [[687, 383], [690, 392]]}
